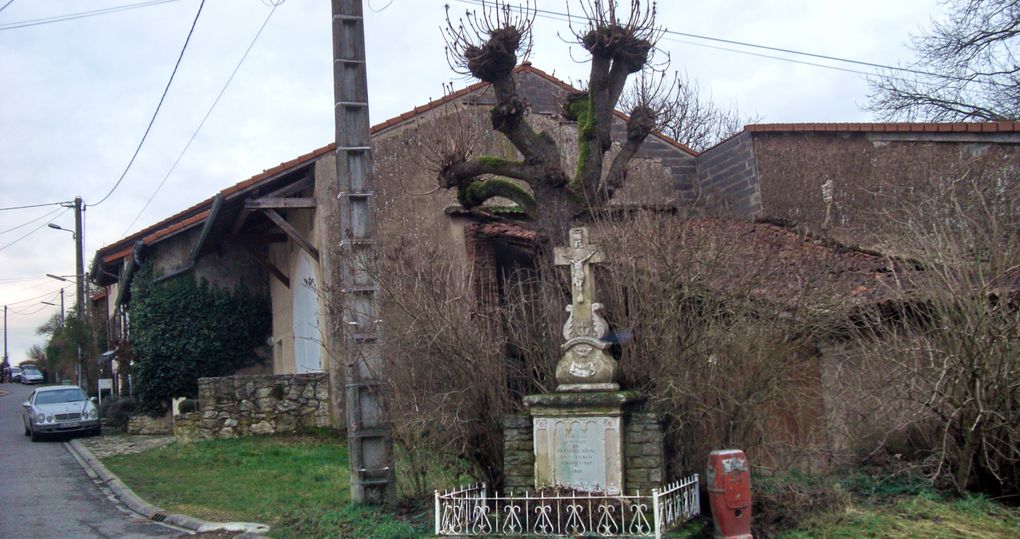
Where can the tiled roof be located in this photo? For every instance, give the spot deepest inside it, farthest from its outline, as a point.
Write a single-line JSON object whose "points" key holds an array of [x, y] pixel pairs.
{"points": [[916, 127], [781, 264], [186, 219], [506, 230]]}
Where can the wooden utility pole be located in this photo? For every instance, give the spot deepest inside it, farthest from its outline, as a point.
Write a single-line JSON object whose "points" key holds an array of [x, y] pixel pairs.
{"points": [[79, 279], [370, 442], [5, 335]]}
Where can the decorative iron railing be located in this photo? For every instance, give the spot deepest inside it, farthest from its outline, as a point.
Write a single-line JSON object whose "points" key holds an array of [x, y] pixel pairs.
{"points": [[471, 511]]}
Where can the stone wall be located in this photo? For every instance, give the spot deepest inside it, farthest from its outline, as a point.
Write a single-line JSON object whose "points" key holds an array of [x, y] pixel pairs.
{"points": [[643, 453], [143, 424], [259, 404], [845, 184], [728, 178], [644, 462], [518, 453]]}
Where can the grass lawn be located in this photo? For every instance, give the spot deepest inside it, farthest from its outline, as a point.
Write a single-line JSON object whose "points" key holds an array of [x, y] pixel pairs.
{"points": [[925, 515], [298, 485]]}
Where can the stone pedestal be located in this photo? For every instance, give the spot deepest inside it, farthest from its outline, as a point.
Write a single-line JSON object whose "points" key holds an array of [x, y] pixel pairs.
{"points": [[578, 439]]}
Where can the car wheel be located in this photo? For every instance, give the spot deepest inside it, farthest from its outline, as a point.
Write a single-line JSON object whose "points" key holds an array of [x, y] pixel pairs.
{"points": [[27, 432], [36, 437], [98, 431]]}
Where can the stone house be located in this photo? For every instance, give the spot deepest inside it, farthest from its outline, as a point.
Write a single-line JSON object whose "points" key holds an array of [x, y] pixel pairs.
{"points": [[840, 178]]}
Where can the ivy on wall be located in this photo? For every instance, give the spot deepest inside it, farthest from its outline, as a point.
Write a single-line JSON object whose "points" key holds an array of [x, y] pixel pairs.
{"points": [[183, 330]]}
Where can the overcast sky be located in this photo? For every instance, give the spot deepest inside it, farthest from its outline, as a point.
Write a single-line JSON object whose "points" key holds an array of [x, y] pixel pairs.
{"points": [[76, 96]]}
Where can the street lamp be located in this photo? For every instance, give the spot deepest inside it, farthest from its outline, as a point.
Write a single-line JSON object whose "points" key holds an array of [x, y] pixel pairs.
{"points": [[55, 226], [61, 304]]}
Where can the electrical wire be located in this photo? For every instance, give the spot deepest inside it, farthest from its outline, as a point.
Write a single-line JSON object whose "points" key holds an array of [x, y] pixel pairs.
{"points": [[158, 106], [37, 310], [204, 118], [80, 15], [13, 280], [34, 206], [22, 225], [566, 16], [29, 233], [51, 293], [9, 2], [760, 55]]}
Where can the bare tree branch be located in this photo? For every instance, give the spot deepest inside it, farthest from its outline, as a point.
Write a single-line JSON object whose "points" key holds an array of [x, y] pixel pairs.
{"points": [[974, 66]]}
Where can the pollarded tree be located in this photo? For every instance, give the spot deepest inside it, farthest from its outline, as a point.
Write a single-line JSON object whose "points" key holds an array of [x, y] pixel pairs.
{"points": [[488, 44]]}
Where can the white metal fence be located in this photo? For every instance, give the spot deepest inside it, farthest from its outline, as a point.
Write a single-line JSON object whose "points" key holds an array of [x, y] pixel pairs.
{"points": [[470, 510]]}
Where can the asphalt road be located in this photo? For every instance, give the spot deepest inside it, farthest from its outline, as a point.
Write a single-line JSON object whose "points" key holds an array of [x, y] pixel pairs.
{"points": [[45, 493]]}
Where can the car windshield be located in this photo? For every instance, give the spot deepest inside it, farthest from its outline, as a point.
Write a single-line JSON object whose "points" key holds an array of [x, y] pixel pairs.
{"points": [[71, 394], [29, 370]]}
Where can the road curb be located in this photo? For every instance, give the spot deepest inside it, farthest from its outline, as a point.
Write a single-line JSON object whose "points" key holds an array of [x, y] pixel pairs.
{"points": [[94, 468]]}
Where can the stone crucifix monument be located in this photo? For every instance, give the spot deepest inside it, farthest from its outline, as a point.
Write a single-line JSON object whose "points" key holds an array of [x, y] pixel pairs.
{"points": [[578, 431], [585, 365]]}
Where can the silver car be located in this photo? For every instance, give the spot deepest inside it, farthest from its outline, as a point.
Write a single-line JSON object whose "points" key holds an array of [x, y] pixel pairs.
{"points": [[31, 375], [59, 409]]}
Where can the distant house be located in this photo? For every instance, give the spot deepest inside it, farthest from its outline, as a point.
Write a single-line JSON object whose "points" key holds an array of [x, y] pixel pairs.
{"points": [[840, 178]]}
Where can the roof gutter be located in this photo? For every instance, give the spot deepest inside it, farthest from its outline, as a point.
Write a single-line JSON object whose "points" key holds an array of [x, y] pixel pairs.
{"points": [[125, 279], [202, 237]]}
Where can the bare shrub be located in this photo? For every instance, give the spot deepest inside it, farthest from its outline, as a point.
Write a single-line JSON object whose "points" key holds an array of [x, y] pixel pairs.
{"points": [[447, 364], [949, 356], [713, 342]]}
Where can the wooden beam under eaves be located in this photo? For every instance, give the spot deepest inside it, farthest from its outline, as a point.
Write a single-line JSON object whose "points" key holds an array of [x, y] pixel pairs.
{"points": [[292, 232], [300, 185], [241, 218], [279, 203], [264, 262]]}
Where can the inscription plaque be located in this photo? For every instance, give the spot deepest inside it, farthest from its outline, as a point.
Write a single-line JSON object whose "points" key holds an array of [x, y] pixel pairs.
{"points": [[581, 453], [580, 446]]}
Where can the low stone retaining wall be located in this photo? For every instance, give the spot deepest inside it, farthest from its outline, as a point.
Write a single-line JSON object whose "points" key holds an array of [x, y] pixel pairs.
{"points": [[257, 404], [144, 425]]}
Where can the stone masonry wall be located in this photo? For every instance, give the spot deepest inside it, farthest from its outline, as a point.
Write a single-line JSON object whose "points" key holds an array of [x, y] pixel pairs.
{"points": [[518, 453], [258, 404], [644, 462], [644, 456], [728, 179]]}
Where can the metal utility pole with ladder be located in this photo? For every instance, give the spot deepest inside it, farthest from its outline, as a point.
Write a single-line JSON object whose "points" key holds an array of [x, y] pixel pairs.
{"points": [[370, 442]]}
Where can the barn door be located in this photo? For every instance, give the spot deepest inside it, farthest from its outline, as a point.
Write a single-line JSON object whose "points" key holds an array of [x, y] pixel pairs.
{"points": [[307, 338]]}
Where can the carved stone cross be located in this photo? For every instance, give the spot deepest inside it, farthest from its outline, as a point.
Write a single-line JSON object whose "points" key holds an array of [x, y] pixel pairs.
{"points": [[585, 365], [580, 255]]}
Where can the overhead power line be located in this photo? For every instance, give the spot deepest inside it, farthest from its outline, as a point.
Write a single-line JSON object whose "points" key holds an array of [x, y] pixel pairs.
{"points": [[206, 117], [33, 206], [29, 233], [26, 223], [79, 15], [51, 293], [569, 17], [158, 106]]}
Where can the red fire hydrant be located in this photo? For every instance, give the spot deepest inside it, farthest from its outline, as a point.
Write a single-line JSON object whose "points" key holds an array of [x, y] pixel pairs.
{"points": [[729, 493]]}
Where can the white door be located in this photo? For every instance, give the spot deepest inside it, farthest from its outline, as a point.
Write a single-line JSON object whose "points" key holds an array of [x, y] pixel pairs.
{"points": [[307, 338]]}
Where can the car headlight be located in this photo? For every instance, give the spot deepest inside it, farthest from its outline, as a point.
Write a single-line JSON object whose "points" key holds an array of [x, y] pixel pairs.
{"points": [[93, 413], [49, 418], [40, 417]]}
